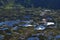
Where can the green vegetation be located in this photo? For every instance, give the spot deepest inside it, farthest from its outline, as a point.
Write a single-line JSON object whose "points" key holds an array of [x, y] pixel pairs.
{"points": [[12, 12]]}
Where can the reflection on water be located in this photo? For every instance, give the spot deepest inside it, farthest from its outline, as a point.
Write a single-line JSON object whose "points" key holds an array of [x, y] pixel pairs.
{"points": [[10, 23], [33, 38]]}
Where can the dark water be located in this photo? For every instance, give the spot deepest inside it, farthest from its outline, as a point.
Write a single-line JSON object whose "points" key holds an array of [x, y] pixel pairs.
{"points": [[51, 4]]}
